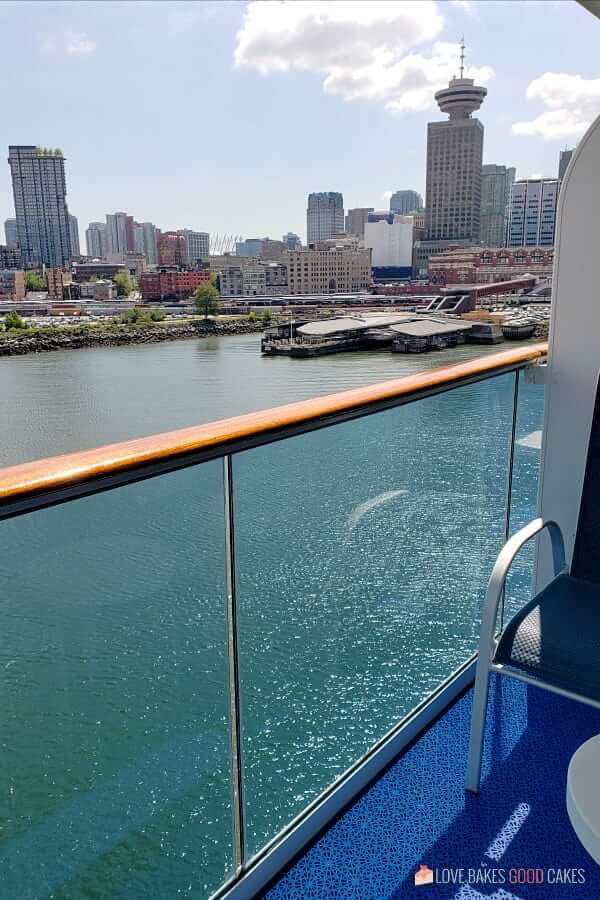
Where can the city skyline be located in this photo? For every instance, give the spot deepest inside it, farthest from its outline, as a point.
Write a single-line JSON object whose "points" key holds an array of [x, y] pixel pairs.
{"points": [[80, 49]]}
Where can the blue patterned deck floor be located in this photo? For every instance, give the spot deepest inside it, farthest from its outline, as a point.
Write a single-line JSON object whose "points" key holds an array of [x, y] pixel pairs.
{"points": [[418, 812]]}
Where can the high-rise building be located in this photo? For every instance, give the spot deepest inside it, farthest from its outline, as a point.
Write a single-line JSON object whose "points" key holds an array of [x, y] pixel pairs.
{"points": [[563, 161], [74, 234], [404, 202], [324, 216], [171, 249], [532, 212], [96, 239], [196, 245], [40, 194], [10, 234], [454, 156], [496, 182], [119, 233], [292, 241], [147, 236], [390, 238], [356, 219]]}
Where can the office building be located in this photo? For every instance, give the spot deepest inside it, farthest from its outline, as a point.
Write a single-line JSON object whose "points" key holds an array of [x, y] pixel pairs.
{"points": [[96, 240], [563, 161], [404, 202], [496, 182], [148, 235], [532, 212], [12, 284], [268, 279], [249, 247], [171, 249], [10, 234], [329, 267], [291, 241], [74, 235], [171, 284], [40, 195], [356, 219], [454, 156], [324, 216], [390, 238], [196, 246]]}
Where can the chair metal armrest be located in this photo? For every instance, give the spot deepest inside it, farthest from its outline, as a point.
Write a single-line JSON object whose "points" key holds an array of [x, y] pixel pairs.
{"points": [[500, 571]]}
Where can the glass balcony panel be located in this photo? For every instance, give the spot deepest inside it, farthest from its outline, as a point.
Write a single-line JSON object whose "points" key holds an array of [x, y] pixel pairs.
{"points": [[115, 774], [526, 470], [363, 551]]}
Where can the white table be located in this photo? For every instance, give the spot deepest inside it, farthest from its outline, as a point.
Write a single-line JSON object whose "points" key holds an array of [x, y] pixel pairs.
{"points": [[583, 795]]}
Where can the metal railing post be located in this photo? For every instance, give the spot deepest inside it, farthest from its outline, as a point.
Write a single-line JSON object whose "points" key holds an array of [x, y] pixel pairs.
{"points": [[509, 479], [234, 674]]}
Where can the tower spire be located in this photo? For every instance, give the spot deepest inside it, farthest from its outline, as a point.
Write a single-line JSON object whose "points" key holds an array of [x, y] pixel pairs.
{"points": [[462, 55]]}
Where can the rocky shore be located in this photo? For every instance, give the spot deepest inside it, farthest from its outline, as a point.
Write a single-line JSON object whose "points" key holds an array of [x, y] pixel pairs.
{"points": [[42, 340]]}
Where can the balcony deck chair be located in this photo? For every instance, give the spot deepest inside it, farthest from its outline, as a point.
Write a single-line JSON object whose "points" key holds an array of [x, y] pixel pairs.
{"points": [[554, 641]]}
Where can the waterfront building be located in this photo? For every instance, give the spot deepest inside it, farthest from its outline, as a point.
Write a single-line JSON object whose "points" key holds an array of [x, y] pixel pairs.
{"points": [[404, 202], [10, 257], [196, 246], [10, 234], [171, 283], [356, 219], [532, 212], [496, 183], [563, 161], [324, 216], [390, 238], [454, 158], [269, 279], [96, 239], [217, 262], [329, 267], [488, 265], [249, 247], [12, 284], [291, 241], [40, 196], [74, 234], [171, 248]]}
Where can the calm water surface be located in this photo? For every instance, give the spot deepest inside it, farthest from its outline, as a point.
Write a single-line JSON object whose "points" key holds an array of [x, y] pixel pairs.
{"points": [[363, 550]]}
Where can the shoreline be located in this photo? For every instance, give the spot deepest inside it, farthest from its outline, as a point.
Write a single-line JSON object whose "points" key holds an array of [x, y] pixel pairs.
{"points": [[79, 337]]}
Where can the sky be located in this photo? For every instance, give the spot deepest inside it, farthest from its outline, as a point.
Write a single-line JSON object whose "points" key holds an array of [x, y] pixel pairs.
{"points": [[223, 116]]}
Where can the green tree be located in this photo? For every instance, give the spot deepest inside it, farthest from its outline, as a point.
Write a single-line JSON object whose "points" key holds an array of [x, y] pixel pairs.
{"points": [[13, 320], [207, 299], [267, 316], [123, 284], [34, 282]]}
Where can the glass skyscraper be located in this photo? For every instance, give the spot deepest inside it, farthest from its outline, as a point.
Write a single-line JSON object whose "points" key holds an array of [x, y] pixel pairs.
{"points": [[40, 194]]}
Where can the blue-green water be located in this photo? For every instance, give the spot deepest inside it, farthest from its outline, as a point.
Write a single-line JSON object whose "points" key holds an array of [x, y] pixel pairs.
{"points": [[362, 554]]}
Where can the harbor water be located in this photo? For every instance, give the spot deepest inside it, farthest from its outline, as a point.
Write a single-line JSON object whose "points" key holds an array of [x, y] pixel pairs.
{"points": [[362, 555]]}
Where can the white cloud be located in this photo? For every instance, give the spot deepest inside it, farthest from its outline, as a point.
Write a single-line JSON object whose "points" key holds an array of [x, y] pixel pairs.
{"points": [[571, 103], [78, 44], [466, 5], [364, 50]]}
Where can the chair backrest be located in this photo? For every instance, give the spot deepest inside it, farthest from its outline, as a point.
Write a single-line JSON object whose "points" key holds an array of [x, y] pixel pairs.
{"points": [[586, 552]]}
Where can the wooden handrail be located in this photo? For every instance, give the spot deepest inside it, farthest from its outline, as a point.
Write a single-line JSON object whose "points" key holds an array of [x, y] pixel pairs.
{"points": [[31, 479]]}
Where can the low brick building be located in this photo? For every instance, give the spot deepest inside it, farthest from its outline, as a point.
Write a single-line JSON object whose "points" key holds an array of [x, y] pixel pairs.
{"points": [[485, 265], [171, 284]]}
